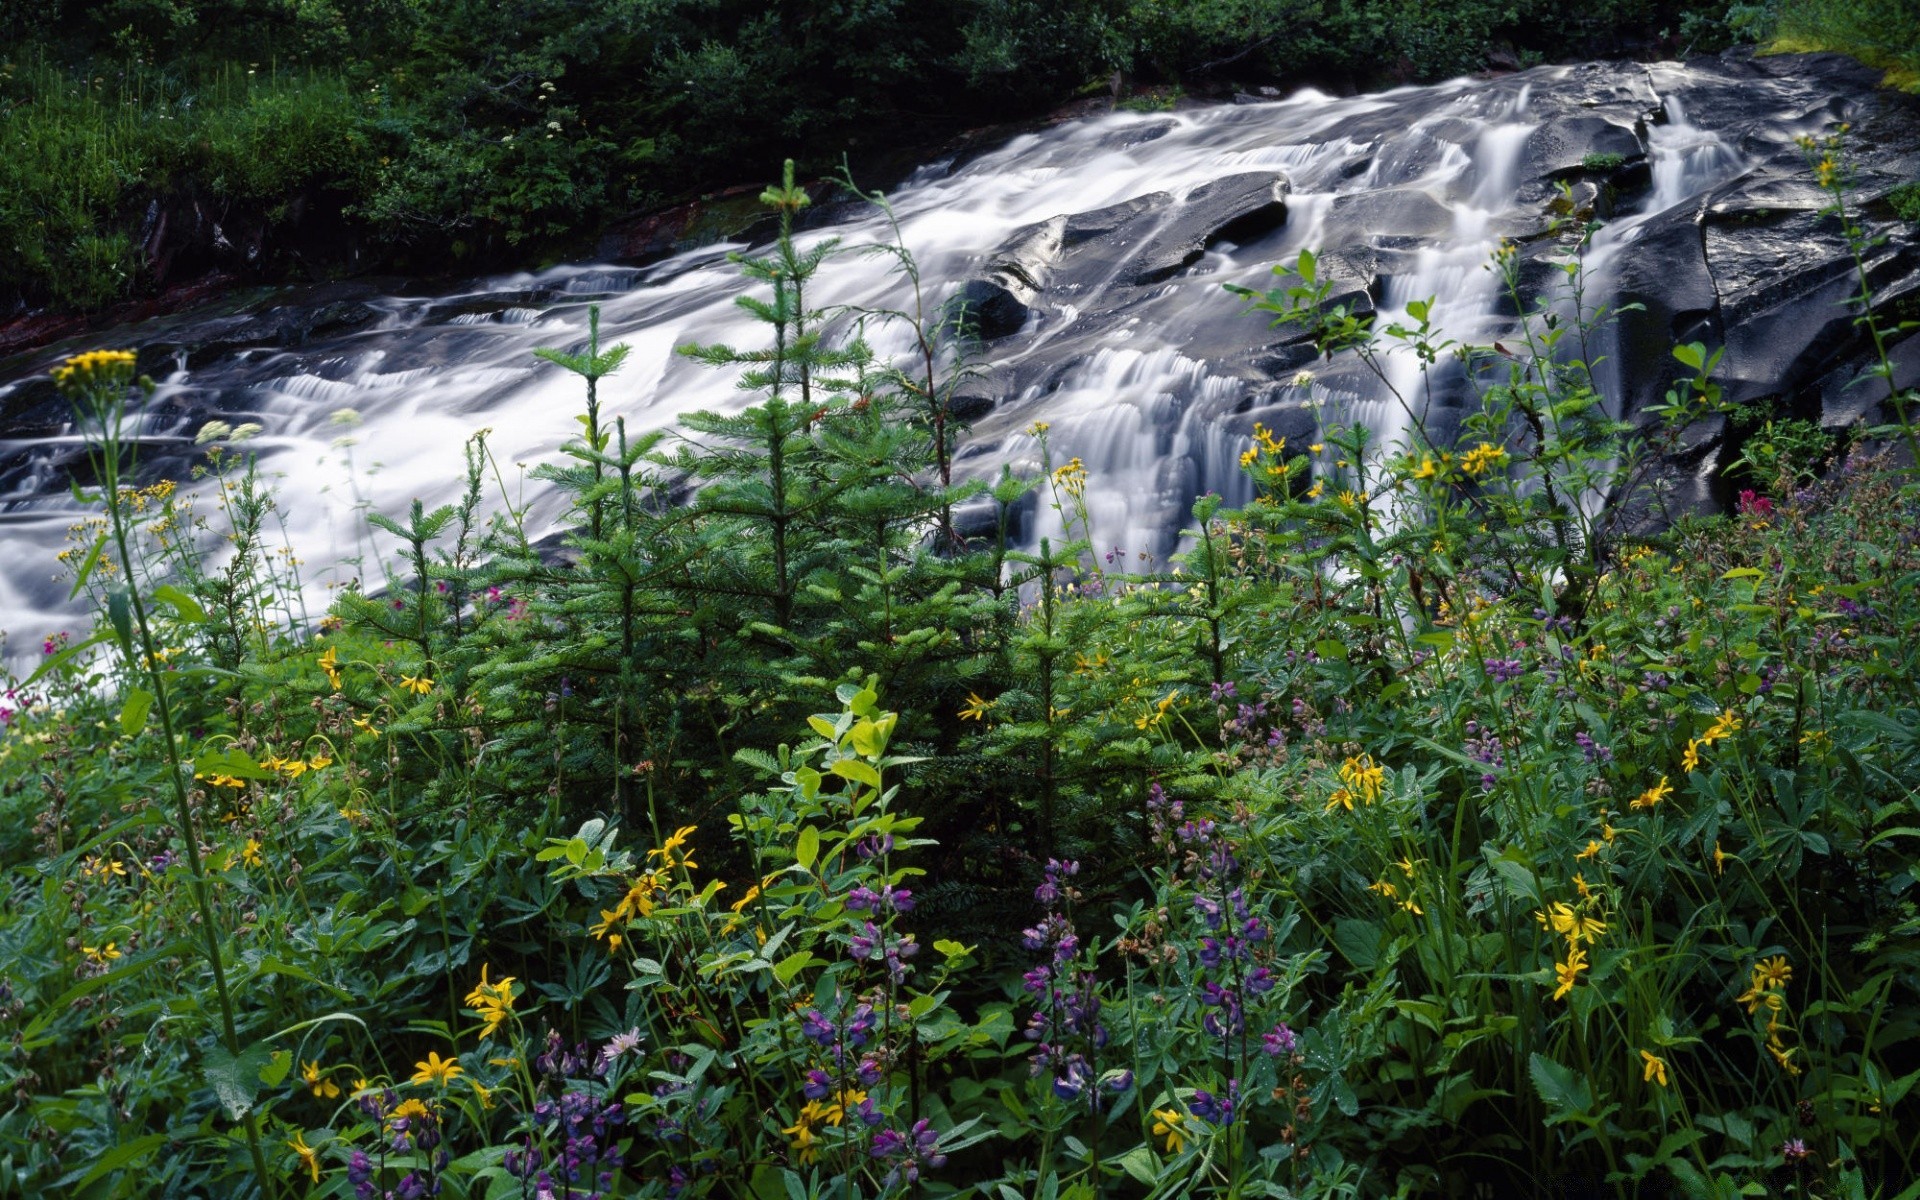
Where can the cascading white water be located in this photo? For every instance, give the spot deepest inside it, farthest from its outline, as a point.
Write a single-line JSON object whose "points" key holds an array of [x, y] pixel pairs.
{"points": [[1142, 408]]}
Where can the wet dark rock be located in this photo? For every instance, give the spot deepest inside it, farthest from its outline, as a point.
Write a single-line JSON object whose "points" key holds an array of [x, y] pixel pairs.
{"points": [[1579, 143], [1234, 209]]}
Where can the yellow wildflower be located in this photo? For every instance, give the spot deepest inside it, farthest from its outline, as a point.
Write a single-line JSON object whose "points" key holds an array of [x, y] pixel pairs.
{"points": [[1568, 972], [318, 1081], [1364, 776], [1772, 973], [1652, 797], [975, 708], [419, 685], [1592, 851], [101, 955], [1690, 761], [1655, 1068], [493, 1001], [101, 368], [1166, 1125], [250, 853], [1720, 858], [436, 1069], [1482, 458], [309, 1157], [330, 663]]}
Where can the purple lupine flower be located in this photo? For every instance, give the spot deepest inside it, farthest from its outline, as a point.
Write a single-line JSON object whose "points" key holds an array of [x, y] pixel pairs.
{"points": [[1503, 670], [1279, 1040]]}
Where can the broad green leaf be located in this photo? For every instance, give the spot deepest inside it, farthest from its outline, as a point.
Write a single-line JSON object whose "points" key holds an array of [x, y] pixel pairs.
{"points": [[807, 848], [133, 714]]}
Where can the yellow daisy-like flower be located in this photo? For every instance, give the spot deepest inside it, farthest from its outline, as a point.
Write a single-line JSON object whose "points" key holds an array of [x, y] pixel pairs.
{"points": [[1167, 1125], [493, 1001], [436, 1069], [666, 852], [1690, 761], [1364, 776], [975, 708], [1771, 974], [365, 725], [417, 684], [309, 1157], [318, 1081], [330, 663], [101, 955], [1568, 973], [1592, 851], [1652, 797], [1784, 1058], [250, 853], [1655, 1068]]}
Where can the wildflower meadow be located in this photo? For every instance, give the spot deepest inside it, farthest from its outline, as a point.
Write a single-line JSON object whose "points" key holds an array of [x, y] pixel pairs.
{"points": [[1451, 819]]}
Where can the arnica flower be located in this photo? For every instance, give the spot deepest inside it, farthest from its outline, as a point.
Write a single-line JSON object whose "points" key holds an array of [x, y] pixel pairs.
{"points": [[436, 1069], [1568, 972], [1652, 797], [1726, 726], [1364, 776], [1720, 858], [1166, 1124], [309, 1157], [94, 369], [1690, 760], [493, 1001], [417, 684], [318, 1081], [975, 708], [1772, 974], [330, 663], [1592, 851], [1576, 927], [1655, 1068], [250, 853], [101, 955], [667, 850]]}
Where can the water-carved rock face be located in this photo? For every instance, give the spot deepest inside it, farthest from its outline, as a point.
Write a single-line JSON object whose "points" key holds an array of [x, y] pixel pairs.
{"points": [[1088, 260]]}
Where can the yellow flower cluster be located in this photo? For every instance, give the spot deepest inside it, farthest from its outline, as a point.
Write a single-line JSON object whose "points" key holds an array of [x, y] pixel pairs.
{"points": [[1580, 928], [1072, 478], [1389, 890], [1483, 458], [1727, 725], [814, 1114], [1264, 445], [492, 1000], [94, 369], [1767, 989], [1651, 798], [1361, 779], [1161, 708], [638, 902]]}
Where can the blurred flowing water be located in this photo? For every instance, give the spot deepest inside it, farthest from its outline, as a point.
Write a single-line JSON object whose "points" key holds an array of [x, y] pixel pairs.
{"points": [[1153, 382]]}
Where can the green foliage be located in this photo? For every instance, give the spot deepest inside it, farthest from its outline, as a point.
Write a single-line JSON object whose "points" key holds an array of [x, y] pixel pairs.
{"points": [[443, 127], [1905, 200]]}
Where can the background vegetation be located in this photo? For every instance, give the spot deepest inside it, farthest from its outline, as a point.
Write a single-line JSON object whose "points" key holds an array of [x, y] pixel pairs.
{"points": [[493, 130]]}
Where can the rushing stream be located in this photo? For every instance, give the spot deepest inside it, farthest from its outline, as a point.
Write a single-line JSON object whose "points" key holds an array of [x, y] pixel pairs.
{"points": [[1144, 367]]}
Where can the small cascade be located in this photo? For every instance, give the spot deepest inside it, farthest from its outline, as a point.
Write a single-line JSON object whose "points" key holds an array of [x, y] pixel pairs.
{"points": [[1144, 366]]}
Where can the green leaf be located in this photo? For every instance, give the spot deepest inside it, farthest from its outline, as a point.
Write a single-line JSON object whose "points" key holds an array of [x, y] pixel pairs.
{"points": [[1561, 1088], [792, 965], [807, 848], [133, 714], [275, 1072], [86, 567], [184, 606], [235, 1079], [1693, 354], [120, 615], [854, 769]]}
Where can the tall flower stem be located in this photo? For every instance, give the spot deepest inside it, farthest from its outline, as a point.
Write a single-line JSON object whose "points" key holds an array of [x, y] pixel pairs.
{"points": [[99, 393]]}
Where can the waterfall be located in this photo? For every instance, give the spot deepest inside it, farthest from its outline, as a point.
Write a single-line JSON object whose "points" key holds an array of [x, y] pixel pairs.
{"points": [[1152, 378]]}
